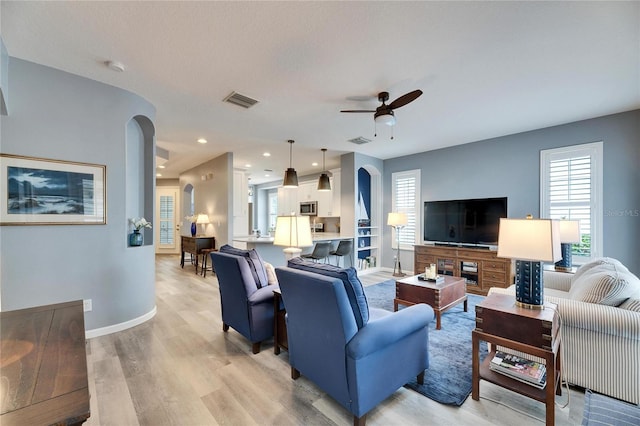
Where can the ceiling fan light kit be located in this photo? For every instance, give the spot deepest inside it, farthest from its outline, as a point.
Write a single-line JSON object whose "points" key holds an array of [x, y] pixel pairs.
{"points": [[323, 181], [290, 175], [384, 113]]}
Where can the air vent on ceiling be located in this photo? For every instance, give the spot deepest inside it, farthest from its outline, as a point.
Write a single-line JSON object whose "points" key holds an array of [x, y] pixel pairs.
{"points": [[359, 140], [240, 100]]}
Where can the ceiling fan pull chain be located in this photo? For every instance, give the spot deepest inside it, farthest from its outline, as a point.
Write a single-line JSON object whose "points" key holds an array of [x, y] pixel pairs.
{"points": [[391, 132], [375, 129]]}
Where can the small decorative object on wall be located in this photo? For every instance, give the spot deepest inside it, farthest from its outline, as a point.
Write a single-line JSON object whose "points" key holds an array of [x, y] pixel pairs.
{"points": [[136, 238], [51, 192]]}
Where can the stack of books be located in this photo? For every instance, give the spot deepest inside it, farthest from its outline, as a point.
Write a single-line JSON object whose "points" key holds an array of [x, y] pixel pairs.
{"points": [[530, 372]]}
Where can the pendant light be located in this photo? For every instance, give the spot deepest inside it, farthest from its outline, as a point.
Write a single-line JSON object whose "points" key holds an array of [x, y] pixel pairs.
{"points": [[323, 182], [290, 175]]}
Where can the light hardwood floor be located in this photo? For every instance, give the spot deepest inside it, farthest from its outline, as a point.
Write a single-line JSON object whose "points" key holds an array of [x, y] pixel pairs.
{"points": [[179, 368]]}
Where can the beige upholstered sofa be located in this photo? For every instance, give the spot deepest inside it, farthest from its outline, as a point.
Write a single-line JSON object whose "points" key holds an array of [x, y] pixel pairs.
{"points": [[599, 307]]}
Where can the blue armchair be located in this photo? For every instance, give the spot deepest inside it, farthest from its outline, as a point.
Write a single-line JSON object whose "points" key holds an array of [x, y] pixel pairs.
{"points": [[245, 307], [359, 356]]}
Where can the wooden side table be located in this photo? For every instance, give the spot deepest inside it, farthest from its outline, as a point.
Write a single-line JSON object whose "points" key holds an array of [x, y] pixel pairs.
{"points": [[195, 245], [535, 332], [280, 339]]}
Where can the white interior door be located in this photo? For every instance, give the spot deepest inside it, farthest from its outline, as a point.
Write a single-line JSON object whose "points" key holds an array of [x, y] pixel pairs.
{"points": [[167, 228]]}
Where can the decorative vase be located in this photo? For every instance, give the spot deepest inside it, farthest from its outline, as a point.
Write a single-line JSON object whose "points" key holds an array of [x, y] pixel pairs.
{"points": [[136, 238], [194, 229]]}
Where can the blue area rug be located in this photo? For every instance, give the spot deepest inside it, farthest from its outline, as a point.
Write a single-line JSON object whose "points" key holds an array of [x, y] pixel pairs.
{"points": [[448, 378]]}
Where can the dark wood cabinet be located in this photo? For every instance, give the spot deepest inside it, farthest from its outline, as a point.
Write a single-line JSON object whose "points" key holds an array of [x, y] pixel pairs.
{"points": [[481, 268]]}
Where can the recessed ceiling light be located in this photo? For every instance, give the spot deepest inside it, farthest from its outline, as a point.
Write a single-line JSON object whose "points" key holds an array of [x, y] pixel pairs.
{"points": [[267, 175], [202, 140], [314, 164], [158, 175], [161, 167], [247, 165], [266, 154]]}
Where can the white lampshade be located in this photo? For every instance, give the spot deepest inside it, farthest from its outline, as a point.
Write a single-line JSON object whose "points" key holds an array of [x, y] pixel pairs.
{"points": [[397, 219], [293, 231], [202, 218], [569, 231], [536, 240]]}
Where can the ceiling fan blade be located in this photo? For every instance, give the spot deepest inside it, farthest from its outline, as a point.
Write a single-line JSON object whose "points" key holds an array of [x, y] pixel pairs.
{"points": [[405, 99], [357, 110]]}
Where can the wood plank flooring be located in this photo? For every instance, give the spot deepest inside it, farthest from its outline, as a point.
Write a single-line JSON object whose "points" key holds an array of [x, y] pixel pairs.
{"points": [[180, 369]]}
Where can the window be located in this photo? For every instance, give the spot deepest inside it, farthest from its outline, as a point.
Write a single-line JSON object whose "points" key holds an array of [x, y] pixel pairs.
{"points": [[571, 188], [406, 199], [273, 209], [166, 220]]}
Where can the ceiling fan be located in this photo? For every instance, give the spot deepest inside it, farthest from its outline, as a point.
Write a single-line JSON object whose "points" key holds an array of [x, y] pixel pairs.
{"points": [[384, 113]]}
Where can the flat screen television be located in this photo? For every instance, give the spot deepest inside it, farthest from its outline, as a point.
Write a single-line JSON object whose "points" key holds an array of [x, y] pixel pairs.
{"points": [[471, 222]]}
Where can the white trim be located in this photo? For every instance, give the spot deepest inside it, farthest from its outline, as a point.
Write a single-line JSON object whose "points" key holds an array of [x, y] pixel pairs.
{"points": [[596, 151], [415, 174], [97, 332]]}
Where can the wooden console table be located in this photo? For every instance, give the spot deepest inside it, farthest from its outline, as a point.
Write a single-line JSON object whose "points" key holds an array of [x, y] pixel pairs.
{"points": [[44, 366], [195, 245], [535, 332], [480, 268]]}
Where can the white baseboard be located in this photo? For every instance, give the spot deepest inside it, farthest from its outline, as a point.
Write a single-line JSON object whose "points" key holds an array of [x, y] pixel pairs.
{"points": [[97, 332]]}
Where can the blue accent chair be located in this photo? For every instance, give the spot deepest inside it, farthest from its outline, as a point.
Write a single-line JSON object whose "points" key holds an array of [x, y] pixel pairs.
{"points": [[358, 367], [245, 307]]}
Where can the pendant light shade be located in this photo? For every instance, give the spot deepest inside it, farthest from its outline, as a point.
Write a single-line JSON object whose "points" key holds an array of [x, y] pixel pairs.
{"points": [[290, 175], [323, 181]]}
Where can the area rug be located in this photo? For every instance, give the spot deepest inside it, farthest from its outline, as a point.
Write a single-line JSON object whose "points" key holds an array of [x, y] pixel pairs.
{"points": [[448, 378]]}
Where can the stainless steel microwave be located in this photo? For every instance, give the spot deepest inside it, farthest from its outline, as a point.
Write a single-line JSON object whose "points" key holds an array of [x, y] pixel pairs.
{"points": [[309, 208]]}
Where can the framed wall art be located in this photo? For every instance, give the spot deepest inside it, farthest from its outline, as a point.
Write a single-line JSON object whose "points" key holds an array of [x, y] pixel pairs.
{"points": [[38, 191]]}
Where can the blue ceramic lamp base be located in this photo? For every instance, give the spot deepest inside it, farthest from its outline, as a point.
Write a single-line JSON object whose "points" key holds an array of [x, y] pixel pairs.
{"points": [[529, 285], [565, 263]]}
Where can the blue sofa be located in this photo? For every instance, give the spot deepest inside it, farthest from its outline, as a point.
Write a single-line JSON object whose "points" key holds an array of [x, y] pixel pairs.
{"points": [[246, 303], [357, 355]]}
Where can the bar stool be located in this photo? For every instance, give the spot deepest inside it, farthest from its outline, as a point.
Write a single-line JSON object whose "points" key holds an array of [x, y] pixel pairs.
{"points": [[320, 252], [205, 255], [345, 247]]}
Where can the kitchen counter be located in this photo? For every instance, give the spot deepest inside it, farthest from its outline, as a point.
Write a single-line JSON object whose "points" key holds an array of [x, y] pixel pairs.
{"points": [[274, 254]]}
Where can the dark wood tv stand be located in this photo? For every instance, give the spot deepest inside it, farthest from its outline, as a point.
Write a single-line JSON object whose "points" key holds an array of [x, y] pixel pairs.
{"points": [[481, 268]]}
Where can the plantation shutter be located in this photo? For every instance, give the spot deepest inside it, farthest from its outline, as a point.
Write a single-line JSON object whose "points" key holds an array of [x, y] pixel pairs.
{"points": [[166, 220], [570, 191], [405, 200]]}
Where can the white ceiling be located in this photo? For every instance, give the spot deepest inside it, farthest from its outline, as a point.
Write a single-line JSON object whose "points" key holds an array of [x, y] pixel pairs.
{"points": [[487, 69]]}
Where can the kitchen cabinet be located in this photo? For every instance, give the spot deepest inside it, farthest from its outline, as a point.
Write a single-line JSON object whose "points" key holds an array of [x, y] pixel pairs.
{"points": [[240, 203], [288, 201]]}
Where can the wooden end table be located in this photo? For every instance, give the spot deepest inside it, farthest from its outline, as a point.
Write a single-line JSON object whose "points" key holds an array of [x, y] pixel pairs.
{"points": [[499, 321], [441, 297], [280, 339]]}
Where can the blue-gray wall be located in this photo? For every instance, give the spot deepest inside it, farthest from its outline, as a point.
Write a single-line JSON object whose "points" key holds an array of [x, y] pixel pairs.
{"points": [[57, 115], [510, 166]]}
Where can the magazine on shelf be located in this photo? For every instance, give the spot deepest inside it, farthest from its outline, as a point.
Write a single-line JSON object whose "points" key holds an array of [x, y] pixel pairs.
{"points": [[527, 371]]}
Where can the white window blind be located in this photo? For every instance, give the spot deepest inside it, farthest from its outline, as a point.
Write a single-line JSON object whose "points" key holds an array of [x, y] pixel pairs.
{"points": [[571, 188], [406, 199], [166, 220]]}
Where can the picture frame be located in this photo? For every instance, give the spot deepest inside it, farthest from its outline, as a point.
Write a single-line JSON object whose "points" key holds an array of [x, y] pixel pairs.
{"points": [[40, 191]]}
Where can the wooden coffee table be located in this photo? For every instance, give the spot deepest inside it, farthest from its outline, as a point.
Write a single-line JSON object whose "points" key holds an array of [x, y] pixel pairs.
{"points": [[411, 290]]}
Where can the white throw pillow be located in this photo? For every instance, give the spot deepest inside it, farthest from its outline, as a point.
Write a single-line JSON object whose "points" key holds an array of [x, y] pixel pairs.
{"points": [[271, 273], [631, 305], [605, 281]]}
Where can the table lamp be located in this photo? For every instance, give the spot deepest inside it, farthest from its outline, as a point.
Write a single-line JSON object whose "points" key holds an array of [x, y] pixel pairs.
{"points": [[203, 219], [569, 234], [397, 221], [292, 232], [530, 242]]}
